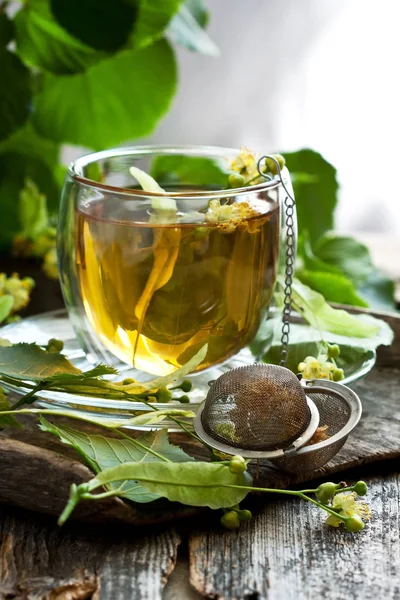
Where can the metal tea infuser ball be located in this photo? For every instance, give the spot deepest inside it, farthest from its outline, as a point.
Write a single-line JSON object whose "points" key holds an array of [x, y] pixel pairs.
{"points": [[264, 411]]}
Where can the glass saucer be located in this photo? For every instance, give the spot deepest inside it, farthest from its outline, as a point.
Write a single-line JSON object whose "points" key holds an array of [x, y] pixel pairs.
{"points": [[55, 324]]}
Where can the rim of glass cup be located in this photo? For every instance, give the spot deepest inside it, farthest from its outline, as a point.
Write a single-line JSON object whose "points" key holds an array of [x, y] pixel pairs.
{"points": [[76, 169]]}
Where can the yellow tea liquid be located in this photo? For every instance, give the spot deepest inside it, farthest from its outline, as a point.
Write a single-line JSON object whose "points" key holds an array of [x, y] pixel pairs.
{"points": [[156, 293]]}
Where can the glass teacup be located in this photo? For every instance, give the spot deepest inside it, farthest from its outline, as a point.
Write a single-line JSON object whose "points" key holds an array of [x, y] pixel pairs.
{"points": [[147, 287]]}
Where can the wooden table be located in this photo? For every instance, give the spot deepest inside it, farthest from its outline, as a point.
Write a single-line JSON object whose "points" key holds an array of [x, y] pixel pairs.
{"points": [[284, 553]]}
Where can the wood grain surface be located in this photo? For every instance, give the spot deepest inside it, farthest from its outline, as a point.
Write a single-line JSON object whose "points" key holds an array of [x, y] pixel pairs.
{"points": [[285, 553], [39, 561]]}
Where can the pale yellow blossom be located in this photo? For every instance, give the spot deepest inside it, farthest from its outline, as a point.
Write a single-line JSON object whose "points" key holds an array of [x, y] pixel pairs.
{"points": [[347, 504]]}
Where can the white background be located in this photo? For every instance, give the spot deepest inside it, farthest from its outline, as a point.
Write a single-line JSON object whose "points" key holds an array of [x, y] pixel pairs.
{"points": [[322, 74]]}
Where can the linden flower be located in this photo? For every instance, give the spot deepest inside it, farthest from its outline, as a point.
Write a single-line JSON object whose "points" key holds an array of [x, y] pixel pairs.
{"points": [[320, 368], [229, 214], [19, 289], [347, 504], [246, 163]]}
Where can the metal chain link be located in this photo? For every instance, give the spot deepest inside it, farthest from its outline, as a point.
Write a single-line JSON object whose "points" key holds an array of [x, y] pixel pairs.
{"points": [[290, 257]]}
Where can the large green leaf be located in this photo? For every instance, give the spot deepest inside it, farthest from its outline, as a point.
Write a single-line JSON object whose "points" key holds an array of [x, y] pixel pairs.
{"points": [[101, 24], [152, 19], [15, 168], [192, 483], [379, 291], [333, 286], [15, 93], [353, 259], [188, 170], [316, 193], [29, 361], [6, 29], [317, 312], [27, 142], [43, 43], [101, 453], [188, 367], [347, 254], [307, 259], [120, 98], [350, 360], [187, 28]]}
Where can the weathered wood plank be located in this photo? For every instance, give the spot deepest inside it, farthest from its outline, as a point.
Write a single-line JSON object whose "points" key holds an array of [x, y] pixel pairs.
{"points": [[376, 438], [286, 552], [40, 562]]}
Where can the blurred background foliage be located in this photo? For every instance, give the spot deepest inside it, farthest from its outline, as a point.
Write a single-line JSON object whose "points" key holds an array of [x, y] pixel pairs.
{"points": [[96, 74]]}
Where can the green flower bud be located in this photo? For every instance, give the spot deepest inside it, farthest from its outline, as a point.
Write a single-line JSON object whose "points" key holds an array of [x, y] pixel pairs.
{"points": [[230, 520], [360, 488], [236, 181], [128, 381], [164, 395], [338, 375], [354, 523], [244, 515], [237, 465], [54, 346], [183, 399], [333, 351], [271, 166], [326, 491], [186, 385]]}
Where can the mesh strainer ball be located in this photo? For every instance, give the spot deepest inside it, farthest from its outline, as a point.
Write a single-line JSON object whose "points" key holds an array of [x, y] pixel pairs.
{"points": [[258, 408]]}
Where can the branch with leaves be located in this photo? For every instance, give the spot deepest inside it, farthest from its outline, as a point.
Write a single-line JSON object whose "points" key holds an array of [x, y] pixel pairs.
{"points": [[149, 467]]}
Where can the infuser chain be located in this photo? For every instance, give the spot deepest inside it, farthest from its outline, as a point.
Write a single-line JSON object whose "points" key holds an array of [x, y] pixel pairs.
{"points": [[289, 203]]}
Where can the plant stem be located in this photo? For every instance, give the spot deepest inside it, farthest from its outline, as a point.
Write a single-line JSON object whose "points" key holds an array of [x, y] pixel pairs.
{"points": [[40, 386], [299, 494]]}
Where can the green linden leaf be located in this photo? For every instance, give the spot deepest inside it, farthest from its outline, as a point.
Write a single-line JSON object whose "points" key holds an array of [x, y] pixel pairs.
{"points": [[189, 170], [152, 417], [317, 312], [315, 194], [26, 155], [120, 98], [43, 43], [379, 291], [309, 260], [333, 286], [7, 420], [192, 483], [180, 373], [305, 341], [6, 305], [345, 253], [27, 142], [15, 93], [100, 24], [101, 453], [29, 361], [152, 19], [156, 416], [6, 29], [187, 29]]}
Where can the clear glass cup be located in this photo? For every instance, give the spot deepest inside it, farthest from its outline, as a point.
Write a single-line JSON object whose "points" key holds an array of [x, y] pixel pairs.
{"points": [[149, 278]]}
